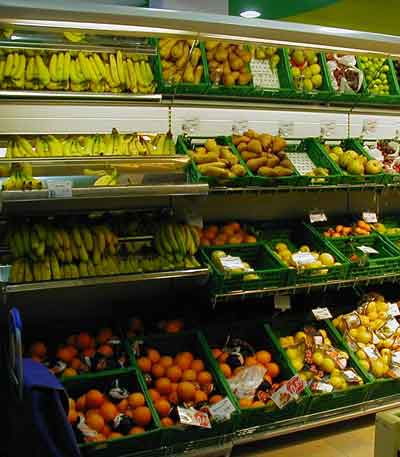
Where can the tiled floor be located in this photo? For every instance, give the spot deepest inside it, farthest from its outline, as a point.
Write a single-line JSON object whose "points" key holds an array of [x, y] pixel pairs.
{"points": [[346, 439]]}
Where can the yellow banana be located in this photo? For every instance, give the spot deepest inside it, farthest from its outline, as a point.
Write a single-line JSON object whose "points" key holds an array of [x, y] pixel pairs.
{"points": [[120, 67], [53, 67], [20, 70], [67, 67], [132, 76], [29, 69], [85, 67], [114, 71], [99, 65], [60, 66]]}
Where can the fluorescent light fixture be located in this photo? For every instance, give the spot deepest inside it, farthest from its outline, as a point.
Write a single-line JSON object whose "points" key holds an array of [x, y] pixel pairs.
{"points": [[250, 14]]}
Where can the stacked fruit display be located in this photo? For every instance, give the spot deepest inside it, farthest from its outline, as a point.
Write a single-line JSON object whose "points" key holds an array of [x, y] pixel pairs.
{"points": [[228, 64], [215, 160], [177, 380], [99, 416], [316, 260], [76, 71], [81, 353], [373, 333], [113, 144], [352, 162], [318, 362], [267, 53], [386, 230], [20, 178], [231, 233], [181, 61], [306, 70], [376, 71], [233, 265], [264, 154], [360, 228], [237, 363]]}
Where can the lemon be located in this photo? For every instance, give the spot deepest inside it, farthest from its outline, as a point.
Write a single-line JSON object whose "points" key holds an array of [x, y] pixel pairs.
{"points": [[365, 364], [371, 307], [328, 365], [335, 372], [361, 355], [296, 72], [315, 69], [353, 332], [363, 336], [317, 81], [377, 368], [308, 85], [299, 337], [327, 259], [318, 358], [292, 353], [373, 315], [297, 364], [336, 382], [304, 248], [364, 320], [383, 315], [281, 247], [381, 306], [303, 376]]}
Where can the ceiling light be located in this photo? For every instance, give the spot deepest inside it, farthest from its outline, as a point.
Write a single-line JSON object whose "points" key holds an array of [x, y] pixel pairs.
{"points": [[250, 14]]}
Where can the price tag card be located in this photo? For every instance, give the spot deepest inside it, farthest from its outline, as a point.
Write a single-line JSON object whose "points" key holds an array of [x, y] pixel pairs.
{"points": [[367, 250], [239, 127], [231, 263], [369, 126], [317, 216], [393, 309], [375, 339], [295, 386], [328, 129], [318, 340], [321, 386], [369, 217], [222, 410], [190, 416], [351, 376], [371, 352], [191, 126], [321, 313], [303, 258], [282, 302], [286, 129], [59, 189]]}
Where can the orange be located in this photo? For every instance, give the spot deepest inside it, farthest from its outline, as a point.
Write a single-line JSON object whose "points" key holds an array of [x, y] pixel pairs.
{"points": [[115, 435], [88, 352], [72, 416], [83, 340], [153, 355], [200, 397], [92, 411], [263, 357], [81, 403], [174, 386], [268, 378], [157, 370], [163, 407], [237, 370], [69, 372], [104, 335], [223, 357], [210, 233], [123, 405], [186, 391], [106, 350], [94, 399], [106, 431], [257, 404], [250, 361], [249, 239], [38, 349], [245, 403], [129, 413], [183, 361], [204, 242], [228, 230], [216, 352], [166, 361], [92, 343], [71, 340], [108, 410], [273, 369], [136, 324], [214, 399], [235, 239], [189, 375], [95, 422], [173, 397], [187, 355], [141, 416], [197, 365], [235, 226], [136, 399], [65, 354], [154, 395], [173, 326], [174, 373], [204, 377], [71, 403], [144, 364], [136, 430], [167, 422], [221, 239], [226, 370], [75, 364], [163, 385]]}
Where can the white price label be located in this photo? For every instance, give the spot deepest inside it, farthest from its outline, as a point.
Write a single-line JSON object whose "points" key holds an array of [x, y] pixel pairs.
{"points": [[320, 386], [318, 340], [231, 263], [282, 302], [369, 126], [321, 313], [239, 127], [191, 126], [351, 377], [396, 358], [59, 189], [318, 216], [328, 129], [375, 339], [367, 250], [222, 410], [369, 217], [303, 258], [286, 129], [371, 352], [393, 309], [190, 416], [390, 327]]}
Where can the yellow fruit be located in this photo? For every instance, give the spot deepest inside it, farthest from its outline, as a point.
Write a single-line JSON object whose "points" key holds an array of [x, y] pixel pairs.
{"points": [[304, 248], [363, 336], [323, 333], [297, 364], [327, 259], [353, 332], [371, 308], [281, 247], [335, 372], [383, 315], [364, 320], [318, 358], [292, 353], [303, 376], [336, 382], [299, 337], [381, 306], [373, 315], [377, 368], [365, 364], [328, 365], [361, 355]]}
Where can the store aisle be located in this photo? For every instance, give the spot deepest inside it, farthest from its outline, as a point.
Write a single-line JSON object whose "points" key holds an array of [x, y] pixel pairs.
{"points": [[346, 439]]}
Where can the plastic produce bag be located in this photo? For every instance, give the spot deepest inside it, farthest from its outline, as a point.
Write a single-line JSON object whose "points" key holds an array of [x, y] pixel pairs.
{"points": [[245, 383], [345, 76]]}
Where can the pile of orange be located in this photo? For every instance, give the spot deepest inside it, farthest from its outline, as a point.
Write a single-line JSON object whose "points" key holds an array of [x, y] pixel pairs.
{"points": [[263, 358], [99, 413], [74, 351], [232, 233], [179, 380]]}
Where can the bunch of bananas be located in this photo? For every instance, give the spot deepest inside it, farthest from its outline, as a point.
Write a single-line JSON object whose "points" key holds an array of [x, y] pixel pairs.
{"points": [[21, 178], [107, 179], [76, 71], [178, 243], [114, 144]]}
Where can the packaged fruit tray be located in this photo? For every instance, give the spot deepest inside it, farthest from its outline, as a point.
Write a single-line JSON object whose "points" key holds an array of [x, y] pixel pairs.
{"points": [[257, 346], [155, 353], [383, 259], [215, 175], [309, 258], [131, 419], [308, 75], [265, 269], [178, 53], [319, 401]]}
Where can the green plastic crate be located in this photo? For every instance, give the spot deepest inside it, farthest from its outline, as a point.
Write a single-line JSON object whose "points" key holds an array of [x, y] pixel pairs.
{"points": [[185, 143], [323, 93], [347, 221], [178, 439], [377, 387], [385, 262], [391, 178], [260, 338], [167, 87], [294, 238], [132, 381], [258, 256], [331, 400]]}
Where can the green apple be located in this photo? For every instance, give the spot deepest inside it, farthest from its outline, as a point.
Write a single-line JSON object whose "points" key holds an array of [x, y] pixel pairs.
{"points": [[373, 167], [296, 73], [355, 167], [315, 69], [317, 81], [337, 150], [308, 85], [298, 57]]}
